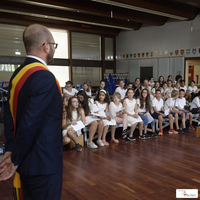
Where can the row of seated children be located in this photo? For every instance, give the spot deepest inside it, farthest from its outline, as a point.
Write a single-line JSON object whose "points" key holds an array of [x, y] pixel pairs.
{"points": [[135, 112], [166, 89], [128, 117]]}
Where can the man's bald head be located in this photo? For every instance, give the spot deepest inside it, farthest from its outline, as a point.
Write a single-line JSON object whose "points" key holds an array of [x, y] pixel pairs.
{"points": [[34, 36]]}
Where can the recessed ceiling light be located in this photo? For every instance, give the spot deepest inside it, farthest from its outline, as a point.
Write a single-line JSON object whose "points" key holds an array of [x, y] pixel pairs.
{"points": [[17, 53]]}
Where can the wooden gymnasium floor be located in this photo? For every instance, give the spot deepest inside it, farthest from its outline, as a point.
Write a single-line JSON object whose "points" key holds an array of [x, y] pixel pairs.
{"points": [[144, 169]]}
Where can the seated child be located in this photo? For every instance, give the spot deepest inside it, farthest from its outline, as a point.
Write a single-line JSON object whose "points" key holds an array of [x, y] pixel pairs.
{"points": [[146, 85], [158, 113], [130, 106], [66, 139], [102, 86], [87, 89], [170, 104], [129, 85], [144, 104], [69, 91], [74, 114], [195, 106], [179, 104], [184, 87], [156, 86], [91, 122], [119, 116], [151, 82], [192, 89], [169, 88], [165, 93], [121, 89], [102, 101], [177, 86]]}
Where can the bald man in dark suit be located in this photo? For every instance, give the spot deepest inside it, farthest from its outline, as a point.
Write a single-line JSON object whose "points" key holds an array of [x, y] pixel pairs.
{"points": [[33, 121]]}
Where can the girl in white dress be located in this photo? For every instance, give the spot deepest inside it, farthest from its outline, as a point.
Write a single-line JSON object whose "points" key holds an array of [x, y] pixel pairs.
{"points": [[92, 122], [115, 108], [102, 101], [130, 106], [74, 113]]}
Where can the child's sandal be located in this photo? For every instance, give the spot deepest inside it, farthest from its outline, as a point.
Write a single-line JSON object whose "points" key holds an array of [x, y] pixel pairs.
{"points": [[115, 141], [105, 143]]}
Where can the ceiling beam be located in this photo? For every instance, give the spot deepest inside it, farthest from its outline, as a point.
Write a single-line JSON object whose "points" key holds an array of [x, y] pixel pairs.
{"points": [[64, 15], [24, 20], [100, 9], [167, 8]]}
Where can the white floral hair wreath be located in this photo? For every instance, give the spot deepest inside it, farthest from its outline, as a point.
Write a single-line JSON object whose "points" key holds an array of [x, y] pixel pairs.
{"points": [[103, 91]]}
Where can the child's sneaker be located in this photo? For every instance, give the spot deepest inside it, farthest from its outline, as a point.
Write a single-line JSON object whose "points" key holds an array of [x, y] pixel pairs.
{"points": [[154, 134], [172, 131], [142, 137], [191, 128], [131, 138], [126, 139], [100, 143], [92, 145], [180, 131], [146, 136], [186, 130], [160, 133], [126, 132], [78, 147]]}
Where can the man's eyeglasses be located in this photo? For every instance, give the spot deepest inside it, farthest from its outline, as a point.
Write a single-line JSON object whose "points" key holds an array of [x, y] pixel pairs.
{"points": [[54, 44]]}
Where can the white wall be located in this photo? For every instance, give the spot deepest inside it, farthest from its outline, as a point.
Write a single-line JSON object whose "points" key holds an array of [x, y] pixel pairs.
{"points": [[174, 35]]}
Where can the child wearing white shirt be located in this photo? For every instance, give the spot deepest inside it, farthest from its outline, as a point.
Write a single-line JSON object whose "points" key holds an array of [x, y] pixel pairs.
{"points": [[184, 87], [170, 104], [151, 82], [158, 112], [121, 89], [116, 110], [195, 106], [68, 91], [192, 89], [170, 88], [180, 105], [156, 86]]}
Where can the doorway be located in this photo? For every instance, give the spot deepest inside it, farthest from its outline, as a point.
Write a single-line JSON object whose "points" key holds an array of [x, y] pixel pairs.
{"points": [[145, 73]]}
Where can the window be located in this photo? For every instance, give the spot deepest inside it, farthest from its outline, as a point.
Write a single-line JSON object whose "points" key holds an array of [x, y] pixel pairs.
{"points": [[60, 37], [88, 74], [6, 71], [11, 40], [108, 48], [61, 73], [86, 46]]}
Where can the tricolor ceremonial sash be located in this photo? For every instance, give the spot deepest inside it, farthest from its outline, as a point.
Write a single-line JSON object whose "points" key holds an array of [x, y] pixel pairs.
{"points": [[17, 84]]}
